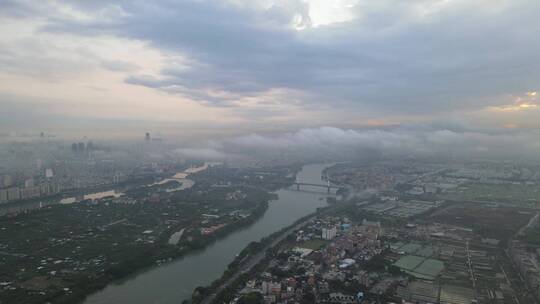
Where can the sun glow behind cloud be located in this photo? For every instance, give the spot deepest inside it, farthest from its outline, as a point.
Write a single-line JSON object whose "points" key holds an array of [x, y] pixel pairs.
{"points": [[522, 103], [295, 63], [326, 12]]}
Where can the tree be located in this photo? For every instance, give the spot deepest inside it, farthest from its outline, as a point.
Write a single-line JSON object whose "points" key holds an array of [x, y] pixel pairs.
{"points": [[377, 263], [394, 270], [251, 298], [308, 298]]}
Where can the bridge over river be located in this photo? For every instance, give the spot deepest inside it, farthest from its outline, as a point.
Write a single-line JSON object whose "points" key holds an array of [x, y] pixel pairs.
{"points": [[328, 186], [171, 283]]}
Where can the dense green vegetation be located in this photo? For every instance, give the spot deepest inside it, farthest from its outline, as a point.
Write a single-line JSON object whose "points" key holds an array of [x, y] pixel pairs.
{"points": [[533, 237], [61, 253]]}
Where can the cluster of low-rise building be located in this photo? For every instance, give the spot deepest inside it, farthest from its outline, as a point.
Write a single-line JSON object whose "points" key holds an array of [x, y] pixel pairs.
{"points": [[327, 253], [392, 206], [365, 177], [452, 265], [528, 264], [333, 260]]}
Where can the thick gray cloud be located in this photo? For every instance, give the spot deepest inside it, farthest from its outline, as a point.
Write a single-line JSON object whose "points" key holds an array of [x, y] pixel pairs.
{"points": [[388, 60], [17, 9]]}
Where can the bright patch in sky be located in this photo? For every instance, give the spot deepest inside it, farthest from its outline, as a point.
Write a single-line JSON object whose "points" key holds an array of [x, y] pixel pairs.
{"points": [[522, 103], [326, 12], [270, 64]]}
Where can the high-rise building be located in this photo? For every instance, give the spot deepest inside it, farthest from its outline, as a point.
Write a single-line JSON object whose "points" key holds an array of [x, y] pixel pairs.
{"points": [[29, 183], [329, 233], [30, 192], [39, 163], [44, 189], [7, 181], [3, 195], [147, 136], [14, 193]]}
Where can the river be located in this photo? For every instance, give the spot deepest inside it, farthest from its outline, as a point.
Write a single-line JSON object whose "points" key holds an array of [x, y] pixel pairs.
{"points": [[175, 281]]}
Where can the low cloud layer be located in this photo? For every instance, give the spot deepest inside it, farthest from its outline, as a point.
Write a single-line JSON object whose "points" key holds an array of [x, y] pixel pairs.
{"points": [[414, 141]]}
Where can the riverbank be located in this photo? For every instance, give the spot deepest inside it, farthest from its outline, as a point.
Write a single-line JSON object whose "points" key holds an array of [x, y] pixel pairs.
{"points": [[177, 280], [93, 245], [246, 263], [79, 249], [253, 258], [161, 255], [100, 191], [12, 208]]}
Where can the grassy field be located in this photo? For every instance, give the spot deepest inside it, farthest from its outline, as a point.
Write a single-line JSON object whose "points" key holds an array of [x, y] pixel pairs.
{"points": [[509, 193], [313, 244], [533, 237]]}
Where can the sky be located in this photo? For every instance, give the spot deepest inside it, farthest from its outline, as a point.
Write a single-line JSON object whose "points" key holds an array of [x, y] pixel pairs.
{"points": [[213, 68]]}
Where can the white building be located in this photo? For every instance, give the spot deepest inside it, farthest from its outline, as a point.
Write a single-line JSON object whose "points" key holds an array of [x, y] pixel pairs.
{"points": [[346, 263], [329, 233], [270, 288]]}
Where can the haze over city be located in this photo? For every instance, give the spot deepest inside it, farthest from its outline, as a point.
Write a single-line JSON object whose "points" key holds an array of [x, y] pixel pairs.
{"points": [[270, 151]]}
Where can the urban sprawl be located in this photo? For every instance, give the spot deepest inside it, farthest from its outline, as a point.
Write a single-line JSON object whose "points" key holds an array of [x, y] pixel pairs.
{"points": [[78, 216]]}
